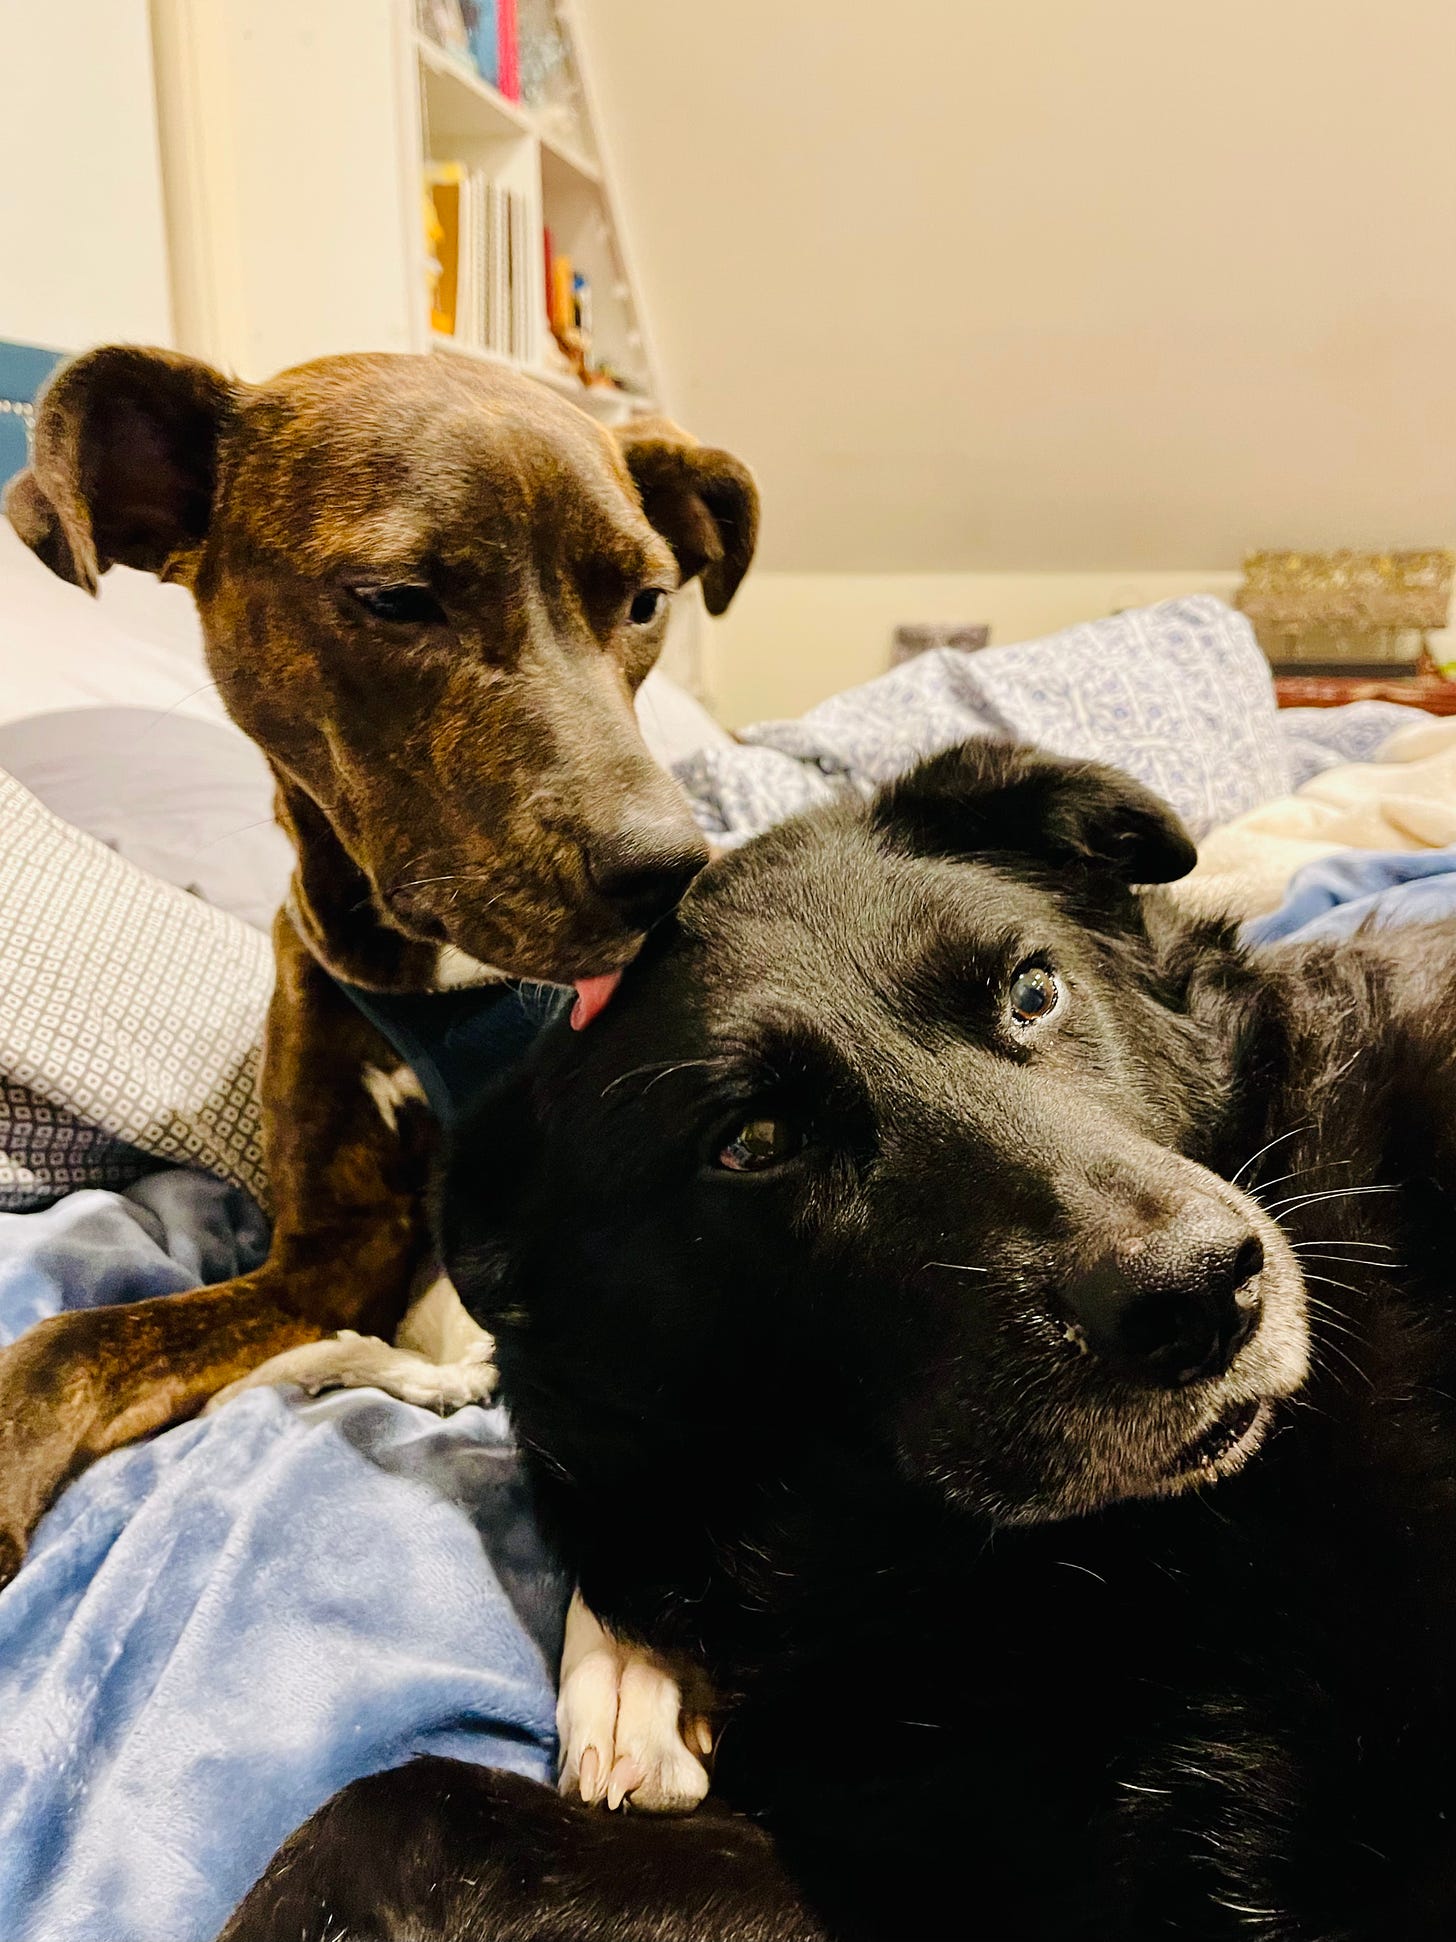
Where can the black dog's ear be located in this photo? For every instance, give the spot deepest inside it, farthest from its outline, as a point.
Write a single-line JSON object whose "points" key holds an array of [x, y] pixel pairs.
{"points": [[988, 797], [702, 501], [124, 464]]}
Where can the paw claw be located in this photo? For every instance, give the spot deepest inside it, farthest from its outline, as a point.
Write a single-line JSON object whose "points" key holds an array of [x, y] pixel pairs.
{"points": [[589, 1776], [624, 1734], [627, 1776]]}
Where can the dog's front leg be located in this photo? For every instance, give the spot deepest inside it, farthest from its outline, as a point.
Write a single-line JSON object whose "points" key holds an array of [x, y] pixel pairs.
{"points": [[347, 1183]]}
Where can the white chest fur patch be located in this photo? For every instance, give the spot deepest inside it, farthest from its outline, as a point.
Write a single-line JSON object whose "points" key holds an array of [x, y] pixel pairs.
{"points": [[455, 971], [391, 1090]]}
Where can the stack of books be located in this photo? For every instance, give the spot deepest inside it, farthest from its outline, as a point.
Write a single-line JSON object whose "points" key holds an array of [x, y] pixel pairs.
{"points": [[483, 252], [484, 32]]}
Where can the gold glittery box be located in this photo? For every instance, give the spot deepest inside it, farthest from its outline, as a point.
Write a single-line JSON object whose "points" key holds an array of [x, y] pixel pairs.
{"points": [[1347, 610]]}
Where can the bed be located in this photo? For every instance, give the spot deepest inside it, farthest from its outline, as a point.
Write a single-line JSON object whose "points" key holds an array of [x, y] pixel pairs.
{"points": [[217, 1629]]}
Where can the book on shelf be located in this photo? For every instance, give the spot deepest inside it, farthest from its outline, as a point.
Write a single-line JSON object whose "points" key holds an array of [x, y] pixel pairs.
{"points": [[522, 255], [481, 245], [485, 42], [561, 294], [569, 314], [508, 44], [443, 187], [484, 32]]}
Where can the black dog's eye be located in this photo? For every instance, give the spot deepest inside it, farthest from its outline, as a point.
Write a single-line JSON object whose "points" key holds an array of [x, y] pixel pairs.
{"points": [[407, 605], [761, 1143], [646, 606], [1034, 995]]}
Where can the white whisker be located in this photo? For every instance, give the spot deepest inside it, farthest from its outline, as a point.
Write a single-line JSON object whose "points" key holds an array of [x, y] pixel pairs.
{"points": [[1297, 1174], [1307, 1253], [663, 1070], [1335, 1240], [1253, 1158], [1331, 1193]]}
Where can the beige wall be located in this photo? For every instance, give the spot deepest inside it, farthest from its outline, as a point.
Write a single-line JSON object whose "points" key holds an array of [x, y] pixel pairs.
{"points": [[987, 293], [82, 241], [1051, 287]]}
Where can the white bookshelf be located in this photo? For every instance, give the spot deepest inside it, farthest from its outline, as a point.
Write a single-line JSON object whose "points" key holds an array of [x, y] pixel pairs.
{"points": [[462, 118], [295, 137]]}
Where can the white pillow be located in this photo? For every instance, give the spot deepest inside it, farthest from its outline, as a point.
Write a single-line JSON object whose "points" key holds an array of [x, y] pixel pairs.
{"points": [[138, 644], [674, 723]]}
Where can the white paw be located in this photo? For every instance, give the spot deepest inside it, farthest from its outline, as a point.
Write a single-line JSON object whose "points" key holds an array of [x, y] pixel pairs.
{"points": [[350, 1361], [443, 1385], [624, 1739]]}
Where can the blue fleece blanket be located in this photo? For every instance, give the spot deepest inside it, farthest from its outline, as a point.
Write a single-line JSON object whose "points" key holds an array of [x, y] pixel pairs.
{"points": [[218, 1629], [1334, 896]]}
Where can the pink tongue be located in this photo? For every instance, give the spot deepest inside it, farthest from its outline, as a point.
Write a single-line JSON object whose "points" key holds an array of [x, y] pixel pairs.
{"points": [[593, 995]]}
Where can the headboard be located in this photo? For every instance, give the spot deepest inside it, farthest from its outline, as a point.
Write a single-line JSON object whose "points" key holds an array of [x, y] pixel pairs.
{"points": [[24, 368]]}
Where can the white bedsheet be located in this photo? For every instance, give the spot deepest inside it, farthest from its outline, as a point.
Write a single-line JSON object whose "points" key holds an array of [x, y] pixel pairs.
{"points": [[137, 644]]}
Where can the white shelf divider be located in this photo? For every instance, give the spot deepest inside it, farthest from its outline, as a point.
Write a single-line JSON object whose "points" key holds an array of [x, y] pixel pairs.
{"points": [[475, 100]]}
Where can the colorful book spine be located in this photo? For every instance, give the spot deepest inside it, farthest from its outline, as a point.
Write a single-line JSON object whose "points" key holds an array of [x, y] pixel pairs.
{"points": [[444, 241], [485, 42], [508, 79], [563, 295], [521, 253]]}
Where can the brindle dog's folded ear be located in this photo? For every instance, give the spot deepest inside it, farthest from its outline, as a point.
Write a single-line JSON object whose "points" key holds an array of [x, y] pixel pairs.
{"points": [[985, 797], [702, 501], [124, 465]]}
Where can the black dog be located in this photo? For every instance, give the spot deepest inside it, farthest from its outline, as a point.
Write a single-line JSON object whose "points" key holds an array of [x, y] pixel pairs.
{"points": [[1005, 1334]]}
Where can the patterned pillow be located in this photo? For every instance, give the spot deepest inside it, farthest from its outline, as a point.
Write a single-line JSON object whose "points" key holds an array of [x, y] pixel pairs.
{"points": [[130, 1019], [188, 801], [1177, 695]]}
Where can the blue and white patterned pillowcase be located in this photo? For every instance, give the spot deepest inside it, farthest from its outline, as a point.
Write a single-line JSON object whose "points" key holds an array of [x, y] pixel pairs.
{"points": [[1178, 695]]}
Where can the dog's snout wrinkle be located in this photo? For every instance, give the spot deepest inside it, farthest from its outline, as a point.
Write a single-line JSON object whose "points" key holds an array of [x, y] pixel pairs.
{"points": [[1173, 1304]]}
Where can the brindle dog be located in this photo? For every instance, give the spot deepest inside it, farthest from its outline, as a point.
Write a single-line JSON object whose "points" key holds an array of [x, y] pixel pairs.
{"points": [[428, 591]]}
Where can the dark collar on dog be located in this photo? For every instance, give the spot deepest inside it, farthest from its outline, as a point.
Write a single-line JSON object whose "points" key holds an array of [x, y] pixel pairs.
{"points": [[457, 1042]]}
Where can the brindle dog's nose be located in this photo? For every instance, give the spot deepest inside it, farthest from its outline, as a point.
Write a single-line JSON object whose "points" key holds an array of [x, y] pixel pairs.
{"points": [[643, 869], [1175, 1304]]}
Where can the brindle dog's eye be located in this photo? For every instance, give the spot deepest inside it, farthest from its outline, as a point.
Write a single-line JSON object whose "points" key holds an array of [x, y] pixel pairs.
{"points": [[761, 1143], [1034, 994], [406, 605], [647, 606]]}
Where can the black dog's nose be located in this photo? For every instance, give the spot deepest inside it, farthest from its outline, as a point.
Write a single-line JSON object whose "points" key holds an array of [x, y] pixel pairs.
{"points": [[1176, 1304], [643, 869]]}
